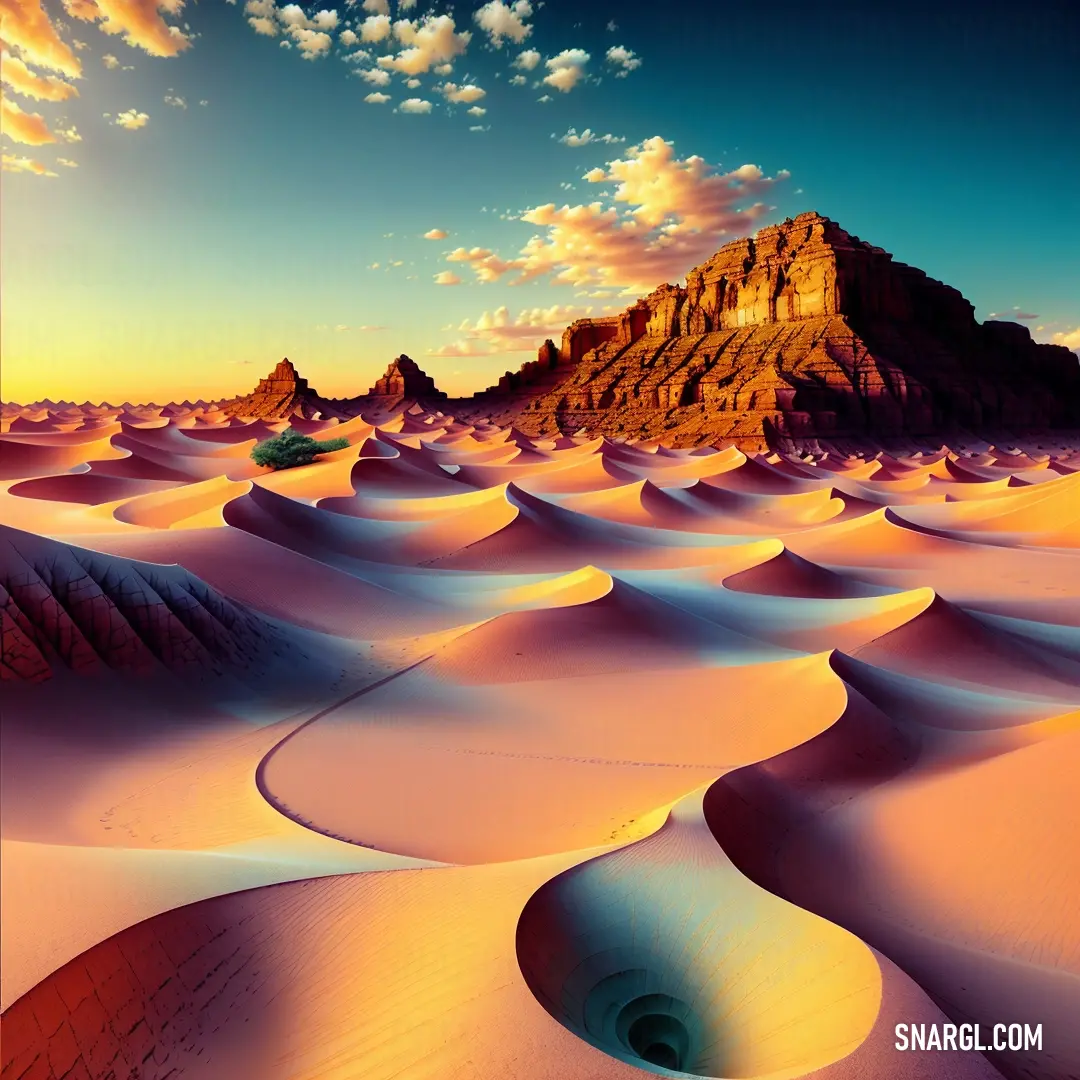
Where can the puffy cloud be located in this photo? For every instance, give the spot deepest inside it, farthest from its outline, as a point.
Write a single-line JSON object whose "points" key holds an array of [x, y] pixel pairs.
{"points": [[527, 60], [139, 22], [573, 138], [496, 332], [504, 22], [375, 28], [566, 69], [27, 26], [30, 84], [375, 76], [175, 100], [348, 38], [436, 234], [11, 163], [485, 263], [310, 33], [312, 43], [131, 119], [415, 105], [476, 110], [664, 215], [23, 127], [462, 94], [110, 61], [67, 163], [412, 84], [377, 7], [377, 98], [426, 43], [447, 277], [518, 80], [406, 5], [1069, 338], [68, 134], [626, 60]]}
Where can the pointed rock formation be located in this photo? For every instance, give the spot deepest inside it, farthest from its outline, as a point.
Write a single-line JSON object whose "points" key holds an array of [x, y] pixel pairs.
{"points": [[801, 334], [405, 379], [284, 393]]}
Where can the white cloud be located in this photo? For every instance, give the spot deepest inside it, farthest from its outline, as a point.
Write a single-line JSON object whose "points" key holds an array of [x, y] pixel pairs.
{"points": [[67, 163], [377, 7], [377, 98], [573, 138], [462, 94], [527, 60], [415, 105], [131, 119], [626, 60], [375, 76], [436, 234], [447, 277], [110, 61], [348, 38], [504, 22], [175, 100], [376, 28], [518, 80], [479, 127], [566, 69], [664, 216], [476, 110]]}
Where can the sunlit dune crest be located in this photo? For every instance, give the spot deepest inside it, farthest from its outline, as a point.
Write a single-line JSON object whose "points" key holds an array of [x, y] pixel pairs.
{"points": [[460, 753]]}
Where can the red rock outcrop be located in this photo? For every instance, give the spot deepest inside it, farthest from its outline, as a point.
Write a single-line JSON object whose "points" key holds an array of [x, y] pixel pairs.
{"points": [[284, 393], [800, 334], [405, 379]]}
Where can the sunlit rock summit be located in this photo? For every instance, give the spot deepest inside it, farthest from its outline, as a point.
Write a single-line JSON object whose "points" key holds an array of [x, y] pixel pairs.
{"points": [[803, 332]]}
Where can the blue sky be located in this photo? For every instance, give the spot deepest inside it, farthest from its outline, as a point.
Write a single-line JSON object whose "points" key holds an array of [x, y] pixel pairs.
{"points": [[231, 187]]}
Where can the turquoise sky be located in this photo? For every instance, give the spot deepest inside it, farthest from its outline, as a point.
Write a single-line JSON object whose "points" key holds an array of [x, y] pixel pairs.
{"points": [[227, 205]]}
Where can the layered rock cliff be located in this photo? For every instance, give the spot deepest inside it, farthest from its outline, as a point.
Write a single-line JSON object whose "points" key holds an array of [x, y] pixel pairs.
{"points": [[801, 333]]}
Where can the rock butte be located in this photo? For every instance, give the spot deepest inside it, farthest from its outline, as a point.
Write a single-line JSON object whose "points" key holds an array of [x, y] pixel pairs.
{"points": [[796, 338]]}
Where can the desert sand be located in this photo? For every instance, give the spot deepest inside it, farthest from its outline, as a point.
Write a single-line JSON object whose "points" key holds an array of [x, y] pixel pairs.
{"points": [[461, 754]]}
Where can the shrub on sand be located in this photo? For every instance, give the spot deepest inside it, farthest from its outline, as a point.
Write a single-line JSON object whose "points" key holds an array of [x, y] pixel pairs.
{"points": [[291, 448]]}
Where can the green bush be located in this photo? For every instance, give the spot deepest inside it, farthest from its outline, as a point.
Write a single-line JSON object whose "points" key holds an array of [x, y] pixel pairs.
{"points": [[290, 448]]}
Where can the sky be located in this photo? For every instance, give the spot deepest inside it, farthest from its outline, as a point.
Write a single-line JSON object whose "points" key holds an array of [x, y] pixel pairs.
{"points": [[192, 191]]}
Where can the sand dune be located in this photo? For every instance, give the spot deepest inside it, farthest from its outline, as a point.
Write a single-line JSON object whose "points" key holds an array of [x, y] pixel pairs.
{"points": [[458, 753]]}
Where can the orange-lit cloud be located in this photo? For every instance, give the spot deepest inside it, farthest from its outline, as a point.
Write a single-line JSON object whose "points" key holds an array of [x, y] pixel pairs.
{"points": [[566, 69], [30, 84], [31, 31], [1069, 338], [665, 215], [447, 277], [426, 42], [24, 127], [139, 22], [436, 234], [11, 163]]}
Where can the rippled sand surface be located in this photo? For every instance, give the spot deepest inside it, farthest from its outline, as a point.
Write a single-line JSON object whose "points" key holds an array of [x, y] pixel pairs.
{"points": [[461, 754]]}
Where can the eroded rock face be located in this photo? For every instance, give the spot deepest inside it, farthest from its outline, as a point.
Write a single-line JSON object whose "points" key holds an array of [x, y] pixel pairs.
{"points": [[405, 379], [803, 332]]}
